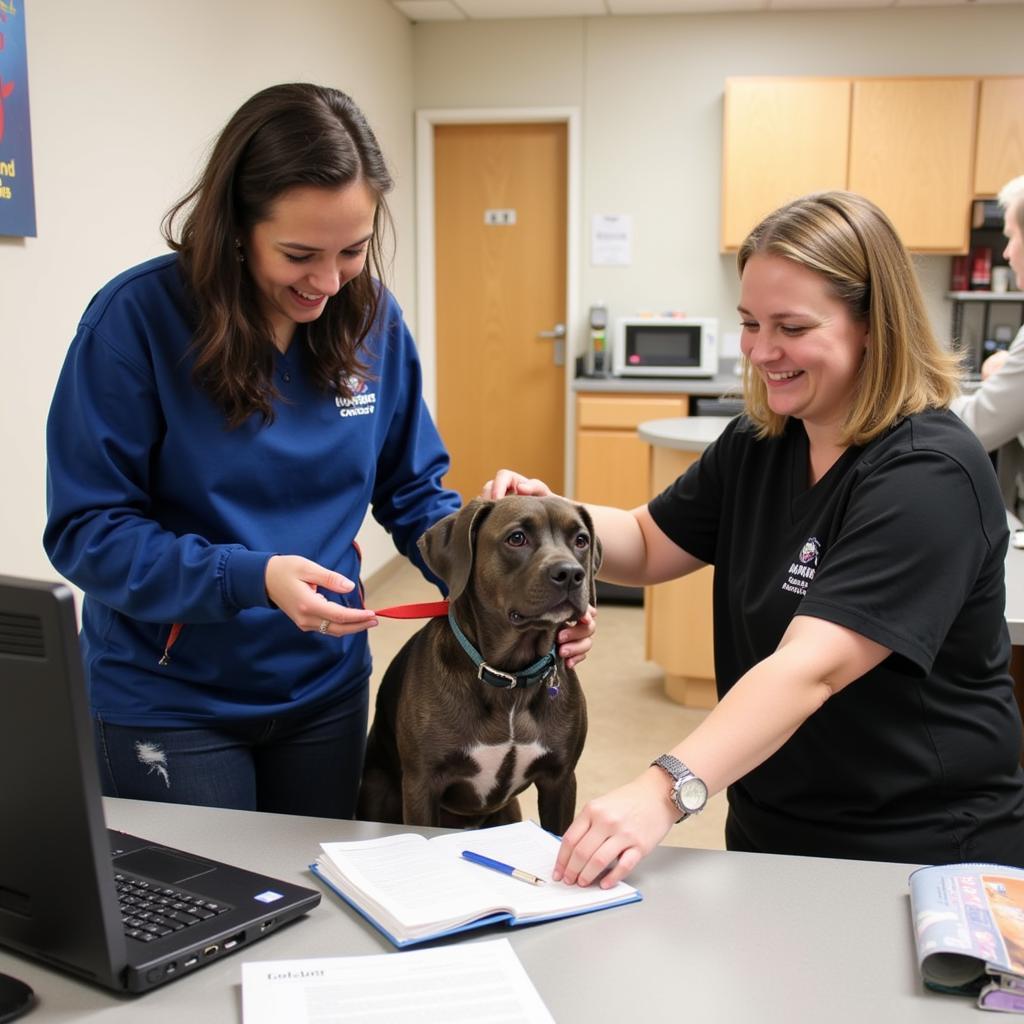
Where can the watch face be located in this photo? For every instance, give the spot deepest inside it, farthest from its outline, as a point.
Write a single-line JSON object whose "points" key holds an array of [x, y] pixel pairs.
{"points": [[693, 794]]}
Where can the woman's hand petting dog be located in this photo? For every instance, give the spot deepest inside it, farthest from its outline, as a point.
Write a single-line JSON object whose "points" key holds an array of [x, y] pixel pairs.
{"points": [[508, 481]]}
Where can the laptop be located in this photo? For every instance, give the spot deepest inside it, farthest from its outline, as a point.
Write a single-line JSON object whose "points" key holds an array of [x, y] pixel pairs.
{"points": [[106, 906]]}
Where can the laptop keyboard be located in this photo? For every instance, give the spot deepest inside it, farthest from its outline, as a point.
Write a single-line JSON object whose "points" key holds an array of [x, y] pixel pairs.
{"points": [[150, 910]]}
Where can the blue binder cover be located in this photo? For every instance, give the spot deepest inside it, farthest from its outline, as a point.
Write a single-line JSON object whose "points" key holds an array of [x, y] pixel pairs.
{"points": [[487, 917]]}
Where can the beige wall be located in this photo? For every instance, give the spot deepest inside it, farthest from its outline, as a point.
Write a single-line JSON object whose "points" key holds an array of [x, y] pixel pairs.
{"points": [[125, 97], [650, 94]]}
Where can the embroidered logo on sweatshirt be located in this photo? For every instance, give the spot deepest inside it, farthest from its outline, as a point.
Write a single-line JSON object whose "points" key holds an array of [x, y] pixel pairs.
{"points": [[362, 403], [802, 571]]}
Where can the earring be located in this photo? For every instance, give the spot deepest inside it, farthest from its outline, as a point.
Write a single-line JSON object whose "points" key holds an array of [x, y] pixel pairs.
{"points": [[239, 255]]}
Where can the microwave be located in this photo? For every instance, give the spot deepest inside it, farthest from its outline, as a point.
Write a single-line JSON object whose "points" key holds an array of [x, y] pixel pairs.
{"points": [[651, 346]]}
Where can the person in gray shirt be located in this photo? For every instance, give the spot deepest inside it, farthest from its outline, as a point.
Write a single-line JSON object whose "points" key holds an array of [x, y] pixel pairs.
{"points": [[995, 411]]}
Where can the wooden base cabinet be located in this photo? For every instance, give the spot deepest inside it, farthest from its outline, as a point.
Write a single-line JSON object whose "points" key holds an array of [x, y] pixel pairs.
{"points": [[612, 463], [680, 630]]}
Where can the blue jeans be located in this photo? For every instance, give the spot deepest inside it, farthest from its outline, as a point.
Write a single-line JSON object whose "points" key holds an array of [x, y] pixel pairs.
{"points": [[302, 764]]}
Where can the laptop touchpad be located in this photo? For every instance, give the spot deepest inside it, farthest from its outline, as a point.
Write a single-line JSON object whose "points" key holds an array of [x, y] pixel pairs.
{"points": [[162, 866]]}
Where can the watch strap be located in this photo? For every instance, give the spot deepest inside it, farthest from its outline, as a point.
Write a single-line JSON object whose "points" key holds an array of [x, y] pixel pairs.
{"points": [[674, 767]]}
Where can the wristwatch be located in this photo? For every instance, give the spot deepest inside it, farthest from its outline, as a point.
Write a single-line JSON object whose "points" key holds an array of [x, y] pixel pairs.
{"points": [[689, 793]]}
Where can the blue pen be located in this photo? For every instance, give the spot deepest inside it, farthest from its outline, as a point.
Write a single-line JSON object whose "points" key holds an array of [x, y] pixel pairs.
{"points": [[505, 869]]}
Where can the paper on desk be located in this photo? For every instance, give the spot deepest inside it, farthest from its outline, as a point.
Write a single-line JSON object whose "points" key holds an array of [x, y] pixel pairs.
{"points": [[473, 982]]}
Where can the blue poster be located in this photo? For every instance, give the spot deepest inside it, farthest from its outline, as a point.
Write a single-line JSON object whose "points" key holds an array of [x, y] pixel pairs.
{"points": [[17, 195]]}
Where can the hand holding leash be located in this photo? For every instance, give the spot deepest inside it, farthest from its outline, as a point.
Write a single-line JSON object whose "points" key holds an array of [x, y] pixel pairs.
{"points": [[292, 583]]}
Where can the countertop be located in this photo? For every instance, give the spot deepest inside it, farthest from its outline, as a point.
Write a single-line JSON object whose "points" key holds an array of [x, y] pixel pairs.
{"points": [[686, 433], [720, 384], [713, 939]]}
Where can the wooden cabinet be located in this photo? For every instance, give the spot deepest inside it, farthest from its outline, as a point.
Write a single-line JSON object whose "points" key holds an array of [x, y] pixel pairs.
{"points": [[783, 138], [909, 144], [678, 619], [911, 152], [612, 465], [1000, 150]]}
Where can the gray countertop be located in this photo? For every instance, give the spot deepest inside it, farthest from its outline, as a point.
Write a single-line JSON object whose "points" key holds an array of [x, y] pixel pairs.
{"points": [[716, 939], [687, 433], [720, 384]]}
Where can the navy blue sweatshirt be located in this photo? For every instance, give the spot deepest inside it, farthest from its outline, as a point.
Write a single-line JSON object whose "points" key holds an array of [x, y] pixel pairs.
{"points": [[161, 514]]}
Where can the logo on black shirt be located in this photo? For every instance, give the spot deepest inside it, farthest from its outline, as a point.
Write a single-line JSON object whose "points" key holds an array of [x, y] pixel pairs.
{"points": [[802, 571]]}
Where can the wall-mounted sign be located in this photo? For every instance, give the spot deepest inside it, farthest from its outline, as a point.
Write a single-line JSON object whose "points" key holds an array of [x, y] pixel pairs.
{"points": [[17, 194], [611, 240], [507, 217]]}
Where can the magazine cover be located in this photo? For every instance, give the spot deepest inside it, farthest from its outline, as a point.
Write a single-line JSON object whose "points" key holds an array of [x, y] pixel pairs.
{"points": [[969, 931]]}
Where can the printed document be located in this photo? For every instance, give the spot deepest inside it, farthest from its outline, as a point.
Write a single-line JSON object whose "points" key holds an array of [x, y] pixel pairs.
{"points": [[475, 983]]}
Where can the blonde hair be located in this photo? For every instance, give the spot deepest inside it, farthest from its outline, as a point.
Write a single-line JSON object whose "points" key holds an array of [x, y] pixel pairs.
{"points": [[854, 247]]}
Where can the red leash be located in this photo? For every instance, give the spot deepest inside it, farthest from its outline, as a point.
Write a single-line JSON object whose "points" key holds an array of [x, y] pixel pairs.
{"points": [[423, 610]]}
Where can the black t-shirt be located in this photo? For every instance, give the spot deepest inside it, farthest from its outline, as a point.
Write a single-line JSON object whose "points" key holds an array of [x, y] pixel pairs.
{"points": [[903, 541]]}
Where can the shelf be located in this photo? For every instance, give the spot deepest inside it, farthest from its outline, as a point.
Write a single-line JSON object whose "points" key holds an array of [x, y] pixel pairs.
{"points": [[981, 296]]}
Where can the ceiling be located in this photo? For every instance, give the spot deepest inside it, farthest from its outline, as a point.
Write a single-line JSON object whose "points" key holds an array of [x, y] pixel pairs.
{"points": [[462, 10]]}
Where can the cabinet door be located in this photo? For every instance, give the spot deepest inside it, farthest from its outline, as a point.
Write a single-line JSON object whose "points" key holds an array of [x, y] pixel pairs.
{"points": [[680, 624], [1000, 154], [911, 152], [611, 460], [782, 138], [611, 468], [626, 412]]}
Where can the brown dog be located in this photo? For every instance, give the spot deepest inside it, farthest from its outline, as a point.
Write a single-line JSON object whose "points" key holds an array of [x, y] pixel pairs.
{"points": [[454, 741]]}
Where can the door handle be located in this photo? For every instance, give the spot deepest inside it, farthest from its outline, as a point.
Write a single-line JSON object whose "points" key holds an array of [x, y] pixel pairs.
{"points": [[558, 332]]}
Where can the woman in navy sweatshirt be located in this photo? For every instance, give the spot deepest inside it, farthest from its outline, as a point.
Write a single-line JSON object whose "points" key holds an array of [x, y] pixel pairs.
{"points": [[225, 417]]}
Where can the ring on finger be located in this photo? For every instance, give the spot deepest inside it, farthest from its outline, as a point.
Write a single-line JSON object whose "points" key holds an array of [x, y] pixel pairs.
{"points": [[324, 625]]}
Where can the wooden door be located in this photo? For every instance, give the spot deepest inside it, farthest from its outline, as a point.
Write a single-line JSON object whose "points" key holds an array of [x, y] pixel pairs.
{"points": [[912, 153], [501, 281], [782, 138], [1000, 154]]}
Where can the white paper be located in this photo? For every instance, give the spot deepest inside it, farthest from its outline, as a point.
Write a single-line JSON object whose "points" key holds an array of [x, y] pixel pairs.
{"points": [[476, 983], [611, 239], [385, 877]]}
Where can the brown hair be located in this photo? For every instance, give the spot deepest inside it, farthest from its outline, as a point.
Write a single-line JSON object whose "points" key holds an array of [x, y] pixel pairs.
{"points": [[852, 244], [281, 138]]}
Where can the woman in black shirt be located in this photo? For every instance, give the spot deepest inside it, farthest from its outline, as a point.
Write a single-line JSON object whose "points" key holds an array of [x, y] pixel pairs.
{"points": [[858, 539]]}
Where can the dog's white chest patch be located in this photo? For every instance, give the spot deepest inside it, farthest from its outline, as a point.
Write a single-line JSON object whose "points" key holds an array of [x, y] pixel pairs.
{"points": [[490, 757]]}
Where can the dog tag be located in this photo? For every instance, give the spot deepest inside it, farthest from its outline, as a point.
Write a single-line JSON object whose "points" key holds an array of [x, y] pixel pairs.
{"points": [[553, 687]]}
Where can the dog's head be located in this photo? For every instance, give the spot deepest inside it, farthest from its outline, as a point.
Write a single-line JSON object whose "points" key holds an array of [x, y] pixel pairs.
{"points": [[534, 560]]}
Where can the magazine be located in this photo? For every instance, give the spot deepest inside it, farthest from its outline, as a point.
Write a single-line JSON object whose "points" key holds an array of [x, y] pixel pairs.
{"points": [[969, 931]]}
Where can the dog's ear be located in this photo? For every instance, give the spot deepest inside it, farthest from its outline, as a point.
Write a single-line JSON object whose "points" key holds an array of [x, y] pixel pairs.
{"points": [[594, 562], [447, 547]]}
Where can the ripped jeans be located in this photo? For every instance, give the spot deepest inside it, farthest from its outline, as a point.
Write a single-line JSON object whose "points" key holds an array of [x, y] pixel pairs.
{"points": [[309, 764]]}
